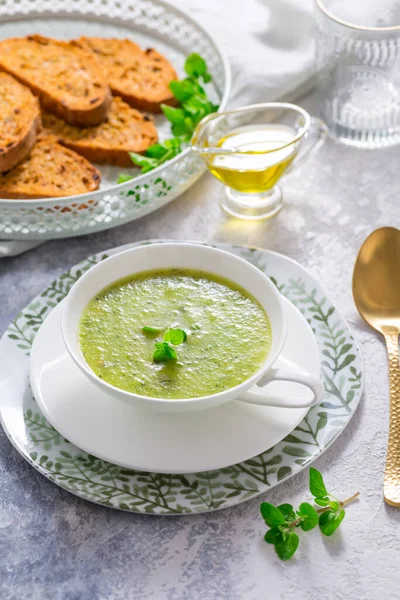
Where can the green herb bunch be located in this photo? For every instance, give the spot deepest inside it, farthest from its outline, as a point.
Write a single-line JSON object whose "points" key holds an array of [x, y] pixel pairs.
{"points": [[283, 519], [193, 106], [164, 351]]}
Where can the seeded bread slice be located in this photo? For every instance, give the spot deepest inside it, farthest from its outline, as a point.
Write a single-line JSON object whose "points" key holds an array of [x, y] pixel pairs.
{"points": [[19, 121], [67, 79], [50, 171], [124, 130], [140, 77]]}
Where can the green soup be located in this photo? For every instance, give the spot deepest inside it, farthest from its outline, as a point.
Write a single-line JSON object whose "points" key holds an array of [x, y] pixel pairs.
{"points": [[228, 334]]}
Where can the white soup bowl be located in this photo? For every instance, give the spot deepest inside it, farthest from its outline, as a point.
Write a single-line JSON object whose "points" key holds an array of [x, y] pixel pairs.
{"points": [[217, 262]]}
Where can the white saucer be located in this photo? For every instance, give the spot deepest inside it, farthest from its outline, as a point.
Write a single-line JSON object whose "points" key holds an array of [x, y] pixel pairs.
{"points": [[161, 442]]}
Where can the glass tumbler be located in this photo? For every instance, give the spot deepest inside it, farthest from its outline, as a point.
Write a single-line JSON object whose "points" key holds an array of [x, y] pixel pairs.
{"points": [[358, 70]]}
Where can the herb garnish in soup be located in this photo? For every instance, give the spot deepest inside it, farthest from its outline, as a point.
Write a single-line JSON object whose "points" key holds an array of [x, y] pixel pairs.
{"points": [[223, 335]]}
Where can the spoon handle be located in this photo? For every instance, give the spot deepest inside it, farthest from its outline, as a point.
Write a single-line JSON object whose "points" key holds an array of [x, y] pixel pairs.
{"points": [[391, 485]]}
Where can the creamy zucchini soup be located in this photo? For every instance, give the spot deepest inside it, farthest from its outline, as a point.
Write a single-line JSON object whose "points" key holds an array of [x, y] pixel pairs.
{"points": [[174, 333]]}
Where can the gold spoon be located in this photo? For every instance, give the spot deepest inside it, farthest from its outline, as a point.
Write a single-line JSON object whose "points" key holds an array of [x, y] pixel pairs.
{"points": [[376, 292]]}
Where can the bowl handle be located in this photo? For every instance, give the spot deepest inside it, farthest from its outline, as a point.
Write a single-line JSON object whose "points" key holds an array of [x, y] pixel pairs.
{"points": [[286, 371]]}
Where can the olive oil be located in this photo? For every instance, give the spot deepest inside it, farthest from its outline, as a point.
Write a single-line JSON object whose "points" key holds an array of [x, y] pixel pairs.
{"points": [[264, 154]]}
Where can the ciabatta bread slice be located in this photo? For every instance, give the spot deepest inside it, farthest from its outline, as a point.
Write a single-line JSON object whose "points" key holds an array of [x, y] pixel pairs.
{"points": [[20, 121], [49, 171], [124, 130], [66, 78], [140, 77]]}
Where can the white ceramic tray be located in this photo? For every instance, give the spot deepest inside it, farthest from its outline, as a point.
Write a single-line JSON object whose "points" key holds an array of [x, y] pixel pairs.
{"points": [[149, 492], [151, 23]]}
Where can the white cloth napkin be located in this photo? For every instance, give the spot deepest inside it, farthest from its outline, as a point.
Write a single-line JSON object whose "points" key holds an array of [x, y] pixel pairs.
{"points": [[269, 44], [270, 47]]}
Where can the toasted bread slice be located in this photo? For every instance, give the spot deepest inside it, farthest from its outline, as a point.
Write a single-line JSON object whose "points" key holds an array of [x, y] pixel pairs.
{"points": [[20, 121], [140, 77], [124, 130], [49, 171], [67, 79]]}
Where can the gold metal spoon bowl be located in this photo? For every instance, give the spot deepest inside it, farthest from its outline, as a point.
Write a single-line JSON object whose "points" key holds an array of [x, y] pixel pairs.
{"points": [[376, 292]]}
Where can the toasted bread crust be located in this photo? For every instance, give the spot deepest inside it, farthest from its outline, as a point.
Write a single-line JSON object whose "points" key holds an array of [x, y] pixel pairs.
{"points": [[140, 77], [124, 130], [19, 121], [49, 171], [65, 76]]}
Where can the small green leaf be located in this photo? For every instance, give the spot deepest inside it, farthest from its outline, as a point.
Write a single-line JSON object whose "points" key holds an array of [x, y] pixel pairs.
{"points": [[330, 405], [288, 511], [141, 161], [296, 451], [123, 177], [271, 515], [173, 144], [174, 115], [322, 501], [309, 516], [293, 439], [317, 486], [183, 128], [287, 548], [273, 536], [65, 454], [156, 151], [175, 336], [283, 472], [349, 358], [334, 505], [322, 421], [195, 66], [183, 90], [329, 521], [151, 331], [164, 352]]}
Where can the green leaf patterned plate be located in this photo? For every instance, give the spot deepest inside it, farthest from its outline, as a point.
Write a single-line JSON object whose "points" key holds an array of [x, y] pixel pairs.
{"points": [[98, 481]]}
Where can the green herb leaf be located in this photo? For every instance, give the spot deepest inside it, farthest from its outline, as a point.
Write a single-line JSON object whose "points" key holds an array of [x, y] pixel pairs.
{"points": [[194, 105], [146, 163], [317, 486], [181, 130], [173, 144], [195, 66], [123, 177], [309, 516], [175, 336], [174, 115], [151, 331], [322, 501], [273, 536], [288, 511], [157, 154], [156, 151], [271, 515], [164, 352], [184, 89], [329, 521], [285, 549], [283, 519]]}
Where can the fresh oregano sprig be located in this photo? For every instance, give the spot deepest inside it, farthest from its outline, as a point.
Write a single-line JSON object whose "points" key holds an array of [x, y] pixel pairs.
{"points": [[164, 351], [283, 519], [193, 106]]}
